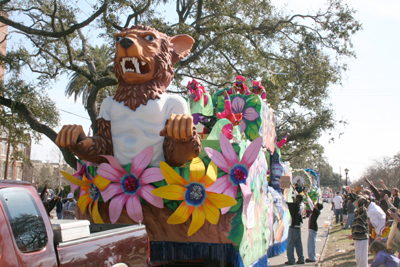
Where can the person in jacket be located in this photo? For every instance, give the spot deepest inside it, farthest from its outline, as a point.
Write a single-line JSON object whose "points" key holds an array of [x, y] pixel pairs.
{"points": [[359, 232], [382, 255], [312, 229], [59, 206], [239, 87], [294, 238], [351, 210], [69, 207]]}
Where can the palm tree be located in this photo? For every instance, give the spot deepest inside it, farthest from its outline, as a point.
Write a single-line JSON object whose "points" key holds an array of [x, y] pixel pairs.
{"points": [[79, 85]]}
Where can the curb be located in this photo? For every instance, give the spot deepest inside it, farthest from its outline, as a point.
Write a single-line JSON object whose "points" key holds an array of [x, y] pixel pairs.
{"points": [[321, 258]]}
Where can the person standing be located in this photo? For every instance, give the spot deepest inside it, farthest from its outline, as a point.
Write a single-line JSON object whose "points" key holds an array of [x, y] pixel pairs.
{"points": [[396, 199], [313, 229], [338, 204], [59, 207], [351, 210], [359, 232], [294, 238], [69, 207]]}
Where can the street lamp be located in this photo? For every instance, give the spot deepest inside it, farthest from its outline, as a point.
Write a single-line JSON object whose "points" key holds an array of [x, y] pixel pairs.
{"points": [[346, 171]]}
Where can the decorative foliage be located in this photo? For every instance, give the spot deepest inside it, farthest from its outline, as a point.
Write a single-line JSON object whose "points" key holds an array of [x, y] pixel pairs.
{"points": [[128, 186], [82, 171], [237, 172], [250, 107], [90, 191], [197, 199]]}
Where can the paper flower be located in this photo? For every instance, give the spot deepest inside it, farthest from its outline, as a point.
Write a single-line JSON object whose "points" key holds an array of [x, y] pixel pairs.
{"points": [[127, 187], [198, 201], [89, 193], [82, 171], [249, 113], [237, 171]]}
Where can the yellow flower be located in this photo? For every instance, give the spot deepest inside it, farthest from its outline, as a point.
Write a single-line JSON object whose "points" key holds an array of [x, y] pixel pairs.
{"points": [[91, 196], [197, 200]]}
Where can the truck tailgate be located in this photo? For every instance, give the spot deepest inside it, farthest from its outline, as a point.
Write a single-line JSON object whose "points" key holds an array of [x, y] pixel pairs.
{"points": [[127, 245]]}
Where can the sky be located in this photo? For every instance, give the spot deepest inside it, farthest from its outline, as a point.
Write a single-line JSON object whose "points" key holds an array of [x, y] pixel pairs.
{"points": [[368, 98]]}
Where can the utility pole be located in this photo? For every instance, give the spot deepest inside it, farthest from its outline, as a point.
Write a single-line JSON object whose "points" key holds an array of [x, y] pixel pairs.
{"points": [[7, 158]]}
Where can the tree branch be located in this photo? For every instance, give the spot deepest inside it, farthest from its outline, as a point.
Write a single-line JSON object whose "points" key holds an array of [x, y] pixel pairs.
{"points": [[137, 13], [196, 55], [29, 30], [26, 113]]}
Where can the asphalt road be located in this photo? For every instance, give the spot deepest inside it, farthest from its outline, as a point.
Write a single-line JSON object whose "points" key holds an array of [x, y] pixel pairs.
{"points": [[323, 225]]}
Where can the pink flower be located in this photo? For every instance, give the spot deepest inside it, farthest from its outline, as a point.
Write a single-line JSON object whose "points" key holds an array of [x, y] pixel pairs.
{"points": [[127, 187], [237, 171]]}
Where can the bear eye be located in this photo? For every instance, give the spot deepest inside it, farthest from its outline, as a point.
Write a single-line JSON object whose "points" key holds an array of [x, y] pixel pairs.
{"points": [[149, 38], [118, 38]]}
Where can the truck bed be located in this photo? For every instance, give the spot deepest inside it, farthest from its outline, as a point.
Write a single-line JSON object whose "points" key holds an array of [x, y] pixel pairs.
{"points": [[107, 245]]}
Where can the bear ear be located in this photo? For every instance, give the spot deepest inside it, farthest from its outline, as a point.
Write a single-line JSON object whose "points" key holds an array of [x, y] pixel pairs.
{"points": [[182, 44]]}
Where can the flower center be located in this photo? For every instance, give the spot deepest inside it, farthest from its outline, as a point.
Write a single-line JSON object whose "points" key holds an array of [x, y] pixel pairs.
{"points": [[130, 184], [239, 174], [93, 192], [196, 193]]}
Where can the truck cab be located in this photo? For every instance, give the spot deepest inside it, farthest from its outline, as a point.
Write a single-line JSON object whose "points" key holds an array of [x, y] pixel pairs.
{"points": [[27, 237]]}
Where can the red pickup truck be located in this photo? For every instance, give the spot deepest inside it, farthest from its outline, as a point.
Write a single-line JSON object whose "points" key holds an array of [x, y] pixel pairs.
{"points": [[27, 237]]}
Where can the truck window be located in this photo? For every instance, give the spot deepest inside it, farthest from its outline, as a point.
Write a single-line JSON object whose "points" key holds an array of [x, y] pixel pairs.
{"points": [[26, 222]]}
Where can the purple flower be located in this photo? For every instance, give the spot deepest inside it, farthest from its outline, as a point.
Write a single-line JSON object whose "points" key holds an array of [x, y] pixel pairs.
{"points": [[249, 113]]}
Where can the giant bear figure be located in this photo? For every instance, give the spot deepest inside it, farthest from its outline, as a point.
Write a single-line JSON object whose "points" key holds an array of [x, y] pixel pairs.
{"points": [[141, 113]]}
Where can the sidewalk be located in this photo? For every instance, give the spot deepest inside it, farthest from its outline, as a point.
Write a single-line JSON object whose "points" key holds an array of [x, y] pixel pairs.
{"points": [[321, 239]]}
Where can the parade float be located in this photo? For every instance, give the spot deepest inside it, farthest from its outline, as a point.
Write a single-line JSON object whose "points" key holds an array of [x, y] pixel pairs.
{"points": [[204, 196]]}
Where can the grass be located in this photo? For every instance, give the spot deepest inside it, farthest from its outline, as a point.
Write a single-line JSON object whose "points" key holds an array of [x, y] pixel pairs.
{"points": [[339, 250]]}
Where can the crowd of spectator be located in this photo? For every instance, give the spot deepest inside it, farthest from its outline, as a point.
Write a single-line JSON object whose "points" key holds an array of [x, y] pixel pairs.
{"points": [[373, 215]]}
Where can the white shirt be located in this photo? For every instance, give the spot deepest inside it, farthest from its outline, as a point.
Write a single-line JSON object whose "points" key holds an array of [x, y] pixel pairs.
{"points": [[133, 131], [377, 217], [338, 202]]}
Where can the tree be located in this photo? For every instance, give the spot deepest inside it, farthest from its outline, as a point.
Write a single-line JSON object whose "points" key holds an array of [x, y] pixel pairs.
{"points": [[78, 85], [250, 38], [386, 169], [16, 116], [319, 164]]}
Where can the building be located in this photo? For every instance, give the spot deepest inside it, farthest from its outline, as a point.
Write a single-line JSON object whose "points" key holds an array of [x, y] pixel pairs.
{"points": [[16, 170]]}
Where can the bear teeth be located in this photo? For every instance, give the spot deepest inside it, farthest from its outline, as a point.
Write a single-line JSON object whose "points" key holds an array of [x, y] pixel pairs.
{"points": [[134, 62]]}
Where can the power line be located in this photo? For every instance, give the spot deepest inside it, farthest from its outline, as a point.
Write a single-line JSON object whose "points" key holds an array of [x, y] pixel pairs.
{"points": [[74, 114]]}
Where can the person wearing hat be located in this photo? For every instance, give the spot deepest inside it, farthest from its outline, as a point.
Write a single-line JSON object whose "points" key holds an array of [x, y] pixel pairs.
{"points": [[359, 232], [259, 90], [239, 87], [69, 207]]}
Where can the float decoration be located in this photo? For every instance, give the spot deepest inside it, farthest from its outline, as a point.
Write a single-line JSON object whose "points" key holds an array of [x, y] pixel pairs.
{"points": [[250, 107], [198, 200], [228, 123], [144, 69], [237, 171], [128, 186], [200, 102], [89, 194]]}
